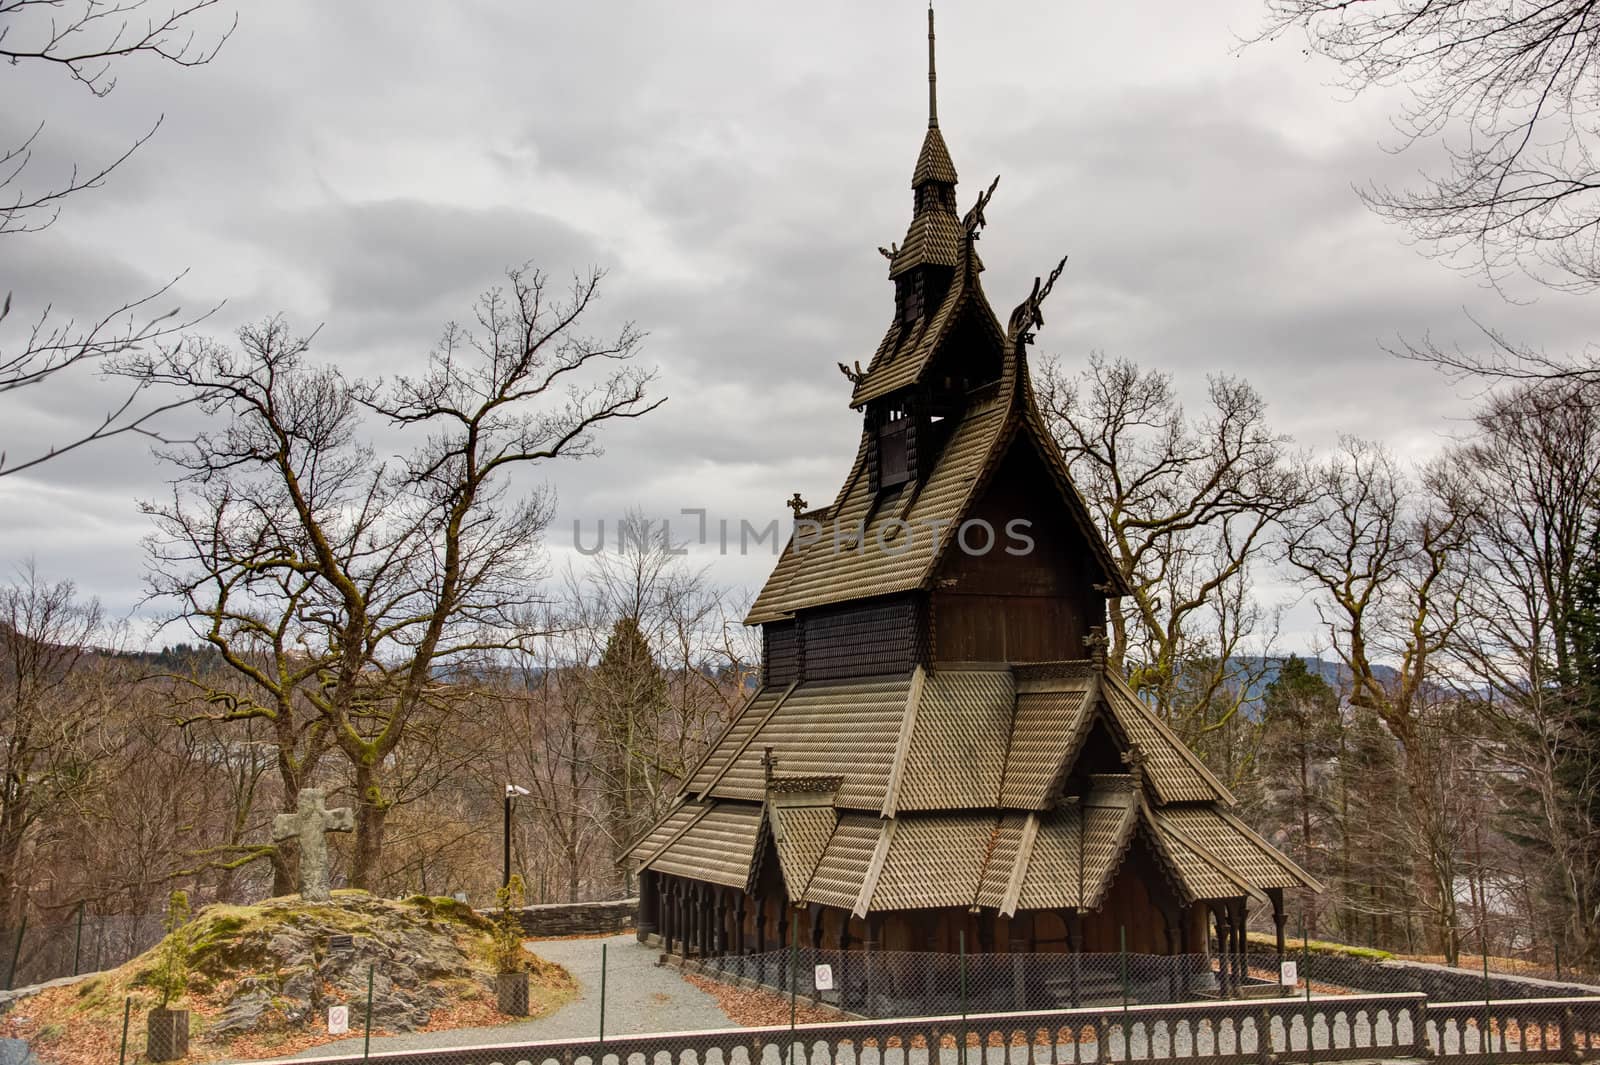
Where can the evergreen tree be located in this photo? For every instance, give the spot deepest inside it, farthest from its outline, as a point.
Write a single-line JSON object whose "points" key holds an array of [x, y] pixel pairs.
{"points": [[630, 699]]}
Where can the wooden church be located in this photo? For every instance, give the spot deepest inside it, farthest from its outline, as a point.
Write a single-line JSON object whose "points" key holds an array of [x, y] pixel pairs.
{"points": [[937, 746]]}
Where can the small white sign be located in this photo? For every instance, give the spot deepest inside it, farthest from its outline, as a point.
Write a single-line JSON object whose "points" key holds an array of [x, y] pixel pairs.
{"points": [[338, 1020], [824, 978], [1289, 974]]}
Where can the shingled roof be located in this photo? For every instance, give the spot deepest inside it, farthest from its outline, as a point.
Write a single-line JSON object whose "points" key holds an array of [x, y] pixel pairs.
{"points": [[939, 788]]}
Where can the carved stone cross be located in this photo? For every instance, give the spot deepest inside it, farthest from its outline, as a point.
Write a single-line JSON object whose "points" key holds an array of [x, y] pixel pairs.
{"points": [[308, 824]]}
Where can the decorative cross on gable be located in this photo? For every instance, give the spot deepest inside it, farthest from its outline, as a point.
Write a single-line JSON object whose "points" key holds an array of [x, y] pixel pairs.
{"points": [[797, 504], [308, 825]]}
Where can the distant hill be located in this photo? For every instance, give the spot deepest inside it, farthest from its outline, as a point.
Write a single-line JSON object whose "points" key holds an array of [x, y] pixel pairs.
{"points": [[1335, 673]]}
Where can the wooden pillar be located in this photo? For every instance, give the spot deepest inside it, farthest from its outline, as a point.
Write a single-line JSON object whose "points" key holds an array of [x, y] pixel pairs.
{"points": [[1221, 923], [682, 920], [873, 947], [740, 914], [1074, 922], [723, 904], [685, 918], [1017, 947], [986, 922], [1278, 916], [815, 912], [783, 923], [844, 929], [708, 919], [649, 903], [1241, 918], [664, 893]]}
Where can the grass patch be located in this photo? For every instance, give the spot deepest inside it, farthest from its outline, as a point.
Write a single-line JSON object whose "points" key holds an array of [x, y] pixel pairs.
{"points": [[1320, 946]]}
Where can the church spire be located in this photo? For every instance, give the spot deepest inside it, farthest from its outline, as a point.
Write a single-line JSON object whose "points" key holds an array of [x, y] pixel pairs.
{"points": [[935, 231]]}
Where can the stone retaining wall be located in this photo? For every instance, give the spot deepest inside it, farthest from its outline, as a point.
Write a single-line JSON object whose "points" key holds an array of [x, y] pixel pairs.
{"points": [[578, 918], [1439, 982]]}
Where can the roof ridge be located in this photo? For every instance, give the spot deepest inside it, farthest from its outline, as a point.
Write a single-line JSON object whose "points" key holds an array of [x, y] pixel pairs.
{"points": [[869, 880], [1289, 865], [1224, 796], [1216, 862], [902, 747], [1019, 866]]}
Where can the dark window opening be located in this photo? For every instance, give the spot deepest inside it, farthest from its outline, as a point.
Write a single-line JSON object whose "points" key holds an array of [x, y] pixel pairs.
{"points": [[894, 452]]}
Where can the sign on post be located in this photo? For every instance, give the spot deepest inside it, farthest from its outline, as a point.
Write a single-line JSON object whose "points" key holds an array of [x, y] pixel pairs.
{"points": [[338, 1020], [1289, 973], [824, 978]]}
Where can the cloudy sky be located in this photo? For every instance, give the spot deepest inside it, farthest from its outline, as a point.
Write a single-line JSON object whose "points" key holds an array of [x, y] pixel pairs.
{"points": [[369, 167]]}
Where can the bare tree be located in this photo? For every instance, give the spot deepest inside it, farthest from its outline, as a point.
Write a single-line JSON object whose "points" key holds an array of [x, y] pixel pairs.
{"points": [[372, 585], [1386, 557], [87, 40], [1534, 472], [47, 713], [1511, 87], [1186, 505]]}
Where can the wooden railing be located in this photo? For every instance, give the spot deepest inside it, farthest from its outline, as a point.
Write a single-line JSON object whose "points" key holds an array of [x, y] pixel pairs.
{"points": [[1247, 1032], [1515, 1030]]}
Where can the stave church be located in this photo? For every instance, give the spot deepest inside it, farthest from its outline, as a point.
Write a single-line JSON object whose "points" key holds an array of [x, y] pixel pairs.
{"points": [[938, 751]]}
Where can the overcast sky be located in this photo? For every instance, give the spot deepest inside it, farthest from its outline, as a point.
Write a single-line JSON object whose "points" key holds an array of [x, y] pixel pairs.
{"points": [[368, 167]]}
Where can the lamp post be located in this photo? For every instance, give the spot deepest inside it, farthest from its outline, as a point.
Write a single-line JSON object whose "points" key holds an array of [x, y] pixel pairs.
{"points": [[512, 791]]}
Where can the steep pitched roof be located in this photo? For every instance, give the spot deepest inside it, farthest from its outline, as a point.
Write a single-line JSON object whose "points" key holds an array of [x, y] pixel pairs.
{"points": [[906, 350], [718, 846], [888, 557], [1177, 774], [939, 789], [801, 834], [933, 161], [848, 727]]}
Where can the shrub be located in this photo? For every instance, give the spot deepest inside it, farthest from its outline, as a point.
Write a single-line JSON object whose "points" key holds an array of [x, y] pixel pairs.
{"points": [[171, 974], [506, 946]]}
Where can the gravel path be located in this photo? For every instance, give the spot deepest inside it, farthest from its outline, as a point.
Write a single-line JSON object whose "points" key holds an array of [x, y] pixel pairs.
{"points": [[640, 997]]}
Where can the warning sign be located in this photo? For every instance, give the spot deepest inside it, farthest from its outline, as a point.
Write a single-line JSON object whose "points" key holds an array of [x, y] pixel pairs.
{"points": [[338, 1020], [824, 978], [1289, 973]]}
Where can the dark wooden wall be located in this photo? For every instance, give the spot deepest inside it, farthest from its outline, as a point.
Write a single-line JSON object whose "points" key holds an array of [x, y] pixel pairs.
{"points": [[996, 606], [873, 637]]}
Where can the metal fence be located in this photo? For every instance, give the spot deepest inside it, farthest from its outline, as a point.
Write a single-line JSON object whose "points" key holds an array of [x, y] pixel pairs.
{"points": [[919, 983], [922, 983], [33, 953], [1310, 1030]]}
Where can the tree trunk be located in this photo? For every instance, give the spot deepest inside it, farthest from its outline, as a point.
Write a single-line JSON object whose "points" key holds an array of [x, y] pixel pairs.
{"points": [[372, 810]]}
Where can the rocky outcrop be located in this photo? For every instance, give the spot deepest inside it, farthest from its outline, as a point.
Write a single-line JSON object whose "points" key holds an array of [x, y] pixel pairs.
{"points": [[285, 961]]}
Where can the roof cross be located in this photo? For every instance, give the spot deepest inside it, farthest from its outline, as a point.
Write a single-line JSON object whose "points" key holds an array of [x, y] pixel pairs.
{"points": [[798, 505]]}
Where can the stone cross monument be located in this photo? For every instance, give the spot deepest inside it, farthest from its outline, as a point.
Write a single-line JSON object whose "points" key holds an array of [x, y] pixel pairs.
{"points": [[308, 824]]}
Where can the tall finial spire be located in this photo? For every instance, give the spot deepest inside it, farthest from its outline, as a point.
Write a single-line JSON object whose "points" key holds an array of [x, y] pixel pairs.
{"points": [[933, 95]]}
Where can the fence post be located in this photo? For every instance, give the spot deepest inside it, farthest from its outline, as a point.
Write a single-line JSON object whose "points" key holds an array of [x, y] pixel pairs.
{"points": [[366, 1043], [16, 952], [794, 983], [1122, 949], [961, 946], [1488, 995], [1305, 964], [77, 943], [602, 994], [127, 1011]]}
